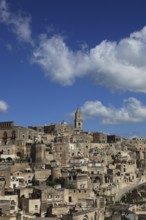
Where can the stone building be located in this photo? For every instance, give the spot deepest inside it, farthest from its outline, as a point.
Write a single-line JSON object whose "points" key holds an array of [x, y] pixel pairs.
{"points": [[82, 137], [92, 213], [79, 180], [99, 137], [113, 138], [38, 153], [59, 128], [78, 122], [4, 207], [13, 203], [32, 206], [61, 153], [41, 174], [54, 129], [62, 129], [96, 171], [48, 195], [5, 175], [12, 134], [62, 138], [73, 195]]}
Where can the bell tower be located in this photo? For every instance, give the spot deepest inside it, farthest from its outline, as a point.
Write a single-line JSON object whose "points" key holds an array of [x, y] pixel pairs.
{"points": [[78, 122]]}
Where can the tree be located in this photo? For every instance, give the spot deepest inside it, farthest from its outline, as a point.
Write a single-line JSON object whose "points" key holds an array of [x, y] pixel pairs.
{"points": [[35, 182], [60, 180], [50, 183], [70, 186]]}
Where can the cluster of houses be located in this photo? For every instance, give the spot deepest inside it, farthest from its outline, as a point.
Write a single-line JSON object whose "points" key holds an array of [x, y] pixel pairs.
{"points": [[59, 171]]}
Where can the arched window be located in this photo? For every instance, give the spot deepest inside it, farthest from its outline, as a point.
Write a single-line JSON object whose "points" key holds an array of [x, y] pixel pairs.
{"points": [[13, 202], [13, 134], [49, 196], [85, 217], [5, 137]]}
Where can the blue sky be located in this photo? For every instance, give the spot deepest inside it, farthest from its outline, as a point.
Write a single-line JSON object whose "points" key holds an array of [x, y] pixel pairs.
{"points": [[56, 55]]}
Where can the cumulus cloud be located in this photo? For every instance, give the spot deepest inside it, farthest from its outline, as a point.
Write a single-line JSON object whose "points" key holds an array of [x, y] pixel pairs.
{"points": [[58, 61], [3, 106], [116, 65], [19, 24], [132, 110]]}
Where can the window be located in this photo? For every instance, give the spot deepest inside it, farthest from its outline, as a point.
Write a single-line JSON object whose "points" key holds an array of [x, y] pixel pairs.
{"points": [[13, 202], [36, 207], [30, 195], [13, 135], [74, 177], [69, 199], [12, 207], [49, 196]]}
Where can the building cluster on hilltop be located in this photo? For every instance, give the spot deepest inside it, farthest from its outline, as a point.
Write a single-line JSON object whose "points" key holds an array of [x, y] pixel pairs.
{"points": [[58, 171]]}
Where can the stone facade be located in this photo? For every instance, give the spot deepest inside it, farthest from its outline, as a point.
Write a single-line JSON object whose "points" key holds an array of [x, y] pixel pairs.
{"points": [[31, 206], [78, 122], [60, 171], [12, 134], [99, 137], [85, 215]]}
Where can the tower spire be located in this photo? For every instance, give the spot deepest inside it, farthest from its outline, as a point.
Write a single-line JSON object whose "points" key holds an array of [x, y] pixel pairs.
{"points": [[78, 122]]}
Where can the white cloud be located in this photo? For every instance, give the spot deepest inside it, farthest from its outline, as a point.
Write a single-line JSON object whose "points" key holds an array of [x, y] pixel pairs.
{"points": [[3, 106], [56, 59], [117, 65], [9, 47], [131, 111], [19, 24]]}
